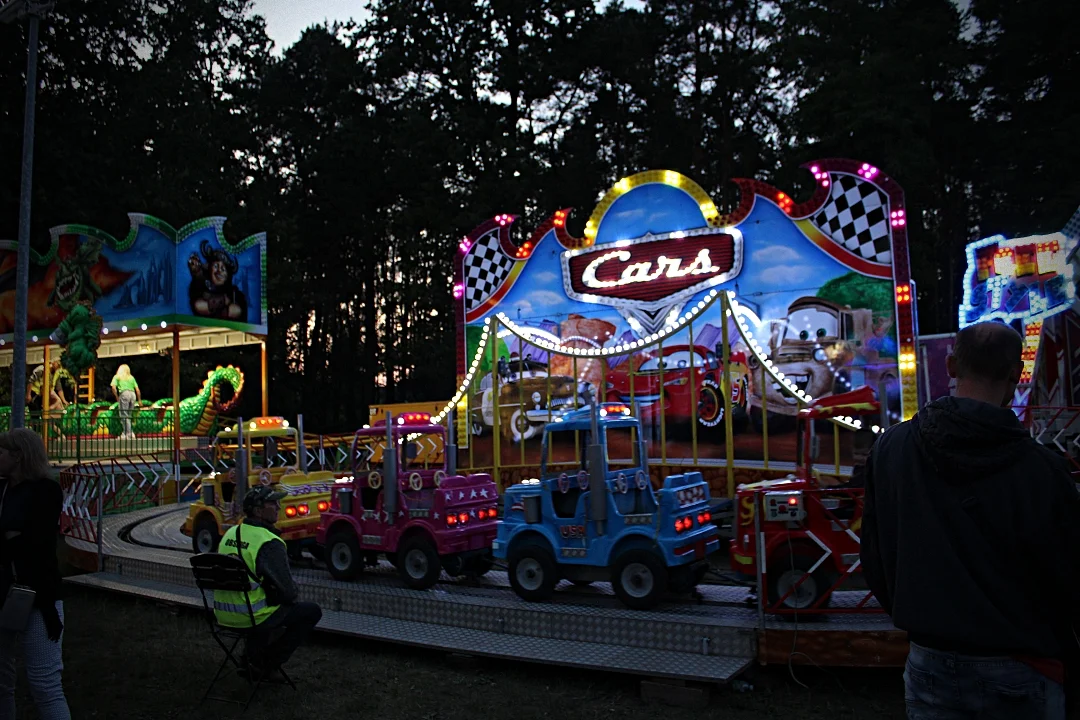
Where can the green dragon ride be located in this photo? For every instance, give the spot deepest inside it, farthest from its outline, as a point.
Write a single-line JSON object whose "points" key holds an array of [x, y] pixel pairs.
{"points": [[198, 413]]}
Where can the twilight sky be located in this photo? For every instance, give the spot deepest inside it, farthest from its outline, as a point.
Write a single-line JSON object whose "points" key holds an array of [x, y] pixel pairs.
{"points": [[286, 19]]}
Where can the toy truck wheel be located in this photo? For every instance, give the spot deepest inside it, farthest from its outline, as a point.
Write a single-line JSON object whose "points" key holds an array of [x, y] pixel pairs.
{"points": [[479, 566], [784, 572], [343, 556], [205, 538], [640, 578], [453, 565], [419, 564], [684, 579], [533, 572]]}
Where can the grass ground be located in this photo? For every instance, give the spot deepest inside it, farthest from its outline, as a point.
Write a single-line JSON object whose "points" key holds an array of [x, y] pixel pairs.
{"points": [[132, 659]]}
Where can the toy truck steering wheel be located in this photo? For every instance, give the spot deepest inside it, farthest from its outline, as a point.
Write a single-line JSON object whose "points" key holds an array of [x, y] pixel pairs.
{"points": [[264, 477], [642, 480], [374, 480], [416, 482], [620, 484], [582, 480], [564, 483], [439, 477]]}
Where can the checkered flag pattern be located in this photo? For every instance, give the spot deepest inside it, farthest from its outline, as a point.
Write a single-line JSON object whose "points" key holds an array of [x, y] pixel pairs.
{"points": [[856, 217], [486, 267]]}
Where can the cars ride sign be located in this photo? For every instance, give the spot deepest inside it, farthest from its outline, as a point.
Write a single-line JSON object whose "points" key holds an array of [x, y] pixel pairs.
{"points": [[653, 270]]}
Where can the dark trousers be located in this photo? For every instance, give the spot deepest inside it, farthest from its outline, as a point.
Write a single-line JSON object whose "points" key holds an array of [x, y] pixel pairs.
{"points": [[942, 685], [272, 643]]}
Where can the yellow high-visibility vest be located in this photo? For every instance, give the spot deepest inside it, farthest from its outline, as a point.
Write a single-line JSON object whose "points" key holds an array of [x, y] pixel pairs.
{"points": [[230, 607]]}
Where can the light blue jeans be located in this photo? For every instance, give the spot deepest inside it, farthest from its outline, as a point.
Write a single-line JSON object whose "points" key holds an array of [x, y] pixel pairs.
{"points": [[949, 686], [42, 659]]}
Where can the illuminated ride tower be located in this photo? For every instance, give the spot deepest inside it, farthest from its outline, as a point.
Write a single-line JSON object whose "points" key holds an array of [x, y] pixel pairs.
{"points": [[1027, 283]]}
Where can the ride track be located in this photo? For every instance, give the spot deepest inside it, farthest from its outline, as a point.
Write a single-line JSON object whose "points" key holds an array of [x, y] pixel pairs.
{"points": [[714, 638]]}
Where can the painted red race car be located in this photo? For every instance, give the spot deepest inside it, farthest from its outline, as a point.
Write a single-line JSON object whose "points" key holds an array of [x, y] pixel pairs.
{"points": [[683, 377]]}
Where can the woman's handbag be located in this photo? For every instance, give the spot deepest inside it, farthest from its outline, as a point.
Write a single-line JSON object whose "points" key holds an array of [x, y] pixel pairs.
{"points": [[15, 614]]}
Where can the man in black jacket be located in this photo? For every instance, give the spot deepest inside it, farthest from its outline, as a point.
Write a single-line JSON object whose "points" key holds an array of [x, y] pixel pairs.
{"points": [[970, 542]]}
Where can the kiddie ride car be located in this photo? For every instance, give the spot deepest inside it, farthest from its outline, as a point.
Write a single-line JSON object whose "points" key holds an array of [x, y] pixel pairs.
{"points": [[216, 510], [602, 523], [808, 530], [423, 518]]}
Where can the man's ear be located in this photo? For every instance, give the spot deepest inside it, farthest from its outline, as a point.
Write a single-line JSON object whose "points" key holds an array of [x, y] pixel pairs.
{"points": [[950, 366], [1017, 371]]}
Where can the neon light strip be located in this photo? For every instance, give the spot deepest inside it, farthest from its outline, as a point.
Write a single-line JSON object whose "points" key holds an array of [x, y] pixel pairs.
{"points": [[468, 376]]}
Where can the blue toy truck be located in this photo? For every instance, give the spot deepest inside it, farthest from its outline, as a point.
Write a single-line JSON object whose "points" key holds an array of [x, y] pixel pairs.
{"points": [[602, 524]]}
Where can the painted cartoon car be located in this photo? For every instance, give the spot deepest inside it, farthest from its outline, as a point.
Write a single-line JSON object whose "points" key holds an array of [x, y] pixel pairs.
{"points": [[527, 401], [407, 506], [596, 522], [216, 510], [679, 375], [811, 346], [809, 525]]}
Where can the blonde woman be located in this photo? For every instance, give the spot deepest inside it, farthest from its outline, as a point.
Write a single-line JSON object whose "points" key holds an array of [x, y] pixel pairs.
{"points": [[29, 520], [126, 391]]}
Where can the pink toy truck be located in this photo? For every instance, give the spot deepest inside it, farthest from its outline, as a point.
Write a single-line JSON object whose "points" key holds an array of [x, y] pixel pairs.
{"points": [[409, 507]]}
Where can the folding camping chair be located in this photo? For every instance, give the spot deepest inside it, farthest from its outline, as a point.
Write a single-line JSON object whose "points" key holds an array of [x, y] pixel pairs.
{"points": [[214, 571]]}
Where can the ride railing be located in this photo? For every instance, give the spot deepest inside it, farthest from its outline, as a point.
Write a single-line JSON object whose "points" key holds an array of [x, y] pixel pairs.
{"points": [[1055, 427], [811, 566], [78, 435], [96, 489]]}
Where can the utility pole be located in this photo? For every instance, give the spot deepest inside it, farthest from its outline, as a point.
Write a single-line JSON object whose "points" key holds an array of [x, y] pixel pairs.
{"points": [[11, 11]]}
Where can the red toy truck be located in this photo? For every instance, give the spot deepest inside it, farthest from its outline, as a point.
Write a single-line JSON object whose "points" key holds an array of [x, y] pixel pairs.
{"points": [[406, 505], [809, 530]]}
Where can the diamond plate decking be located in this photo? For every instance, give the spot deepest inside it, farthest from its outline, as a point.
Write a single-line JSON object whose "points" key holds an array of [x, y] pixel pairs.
{"points": [[713, 639]]}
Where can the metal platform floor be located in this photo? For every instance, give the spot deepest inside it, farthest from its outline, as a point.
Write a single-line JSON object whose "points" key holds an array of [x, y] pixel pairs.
{"points": [[712, 639]]}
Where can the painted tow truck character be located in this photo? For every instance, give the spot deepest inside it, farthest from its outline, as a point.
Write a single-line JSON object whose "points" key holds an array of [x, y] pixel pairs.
{"points": [[257, 447], [407, 505], [809, 524], [810, 346], [671, 375], [601, 522]]}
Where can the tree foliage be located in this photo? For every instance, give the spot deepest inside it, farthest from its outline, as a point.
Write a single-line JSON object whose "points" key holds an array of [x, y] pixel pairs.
{"points": [[366, 150]]}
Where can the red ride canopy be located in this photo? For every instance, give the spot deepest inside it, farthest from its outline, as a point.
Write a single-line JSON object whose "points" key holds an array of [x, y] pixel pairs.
{"points": [[851, 404]]}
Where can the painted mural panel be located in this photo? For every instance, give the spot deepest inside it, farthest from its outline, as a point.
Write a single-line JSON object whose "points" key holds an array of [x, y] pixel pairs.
{"points": [[145, 278], [821, 288], [221, 284]]}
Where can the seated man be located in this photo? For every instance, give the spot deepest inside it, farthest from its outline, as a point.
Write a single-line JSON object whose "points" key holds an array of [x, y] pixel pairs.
{"points": [[281, 623]]}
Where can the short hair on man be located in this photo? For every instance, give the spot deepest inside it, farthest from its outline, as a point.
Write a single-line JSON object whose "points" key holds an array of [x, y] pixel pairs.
{"points": [[988, 351]]}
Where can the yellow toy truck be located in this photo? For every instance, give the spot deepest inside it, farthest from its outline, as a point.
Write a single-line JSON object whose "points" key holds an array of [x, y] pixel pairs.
{"points": [[256, 446]]}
